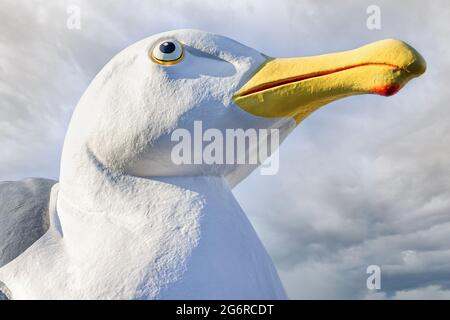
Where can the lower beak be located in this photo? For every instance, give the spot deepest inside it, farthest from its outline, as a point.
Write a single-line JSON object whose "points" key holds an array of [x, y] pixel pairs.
{"points": [[296, 87]]}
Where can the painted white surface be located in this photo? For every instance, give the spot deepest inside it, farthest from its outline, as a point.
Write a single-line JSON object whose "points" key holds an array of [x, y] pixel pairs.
{"points": [[126, 222]]}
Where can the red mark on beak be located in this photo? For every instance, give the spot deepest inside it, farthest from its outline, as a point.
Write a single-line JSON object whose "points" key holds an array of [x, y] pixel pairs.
{"points": [[387, 90]]}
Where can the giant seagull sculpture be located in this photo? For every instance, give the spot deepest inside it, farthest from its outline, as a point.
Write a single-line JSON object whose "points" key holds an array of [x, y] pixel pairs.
{"points": [[125, 221]]}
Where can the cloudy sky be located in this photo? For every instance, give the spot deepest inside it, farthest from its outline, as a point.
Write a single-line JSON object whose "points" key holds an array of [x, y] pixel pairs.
{"points": [[364, 181]]}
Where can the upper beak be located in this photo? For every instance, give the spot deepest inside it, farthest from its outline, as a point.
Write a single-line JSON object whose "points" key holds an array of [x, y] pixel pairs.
{"points": [[295, 87]]}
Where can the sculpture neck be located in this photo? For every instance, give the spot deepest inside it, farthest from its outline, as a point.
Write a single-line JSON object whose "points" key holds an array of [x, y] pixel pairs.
{"points": [[92, 188]]}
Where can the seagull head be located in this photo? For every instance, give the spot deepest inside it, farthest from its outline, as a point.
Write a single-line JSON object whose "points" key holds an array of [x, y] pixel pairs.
{"points": [[191, 85]]}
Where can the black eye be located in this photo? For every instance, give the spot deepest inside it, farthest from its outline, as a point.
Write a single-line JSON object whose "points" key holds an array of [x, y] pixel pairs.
{"points": [[167, 47], [167, 52]]}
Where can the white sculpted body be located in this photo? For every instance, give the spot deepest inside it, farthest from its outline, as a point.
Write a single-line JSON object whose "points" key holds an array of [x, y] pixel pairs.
{"points": [[186, 238]]}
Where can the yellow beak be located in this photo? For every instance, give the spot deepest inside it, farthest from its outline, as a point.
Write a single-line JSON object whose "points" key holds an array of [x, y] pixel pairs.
{"points": [[296, 87]]}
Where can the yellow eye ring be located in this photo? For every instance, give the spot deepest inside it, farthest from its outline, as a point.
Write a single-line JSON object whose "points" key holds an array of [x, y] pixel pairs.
{"points": [[167, 52]]}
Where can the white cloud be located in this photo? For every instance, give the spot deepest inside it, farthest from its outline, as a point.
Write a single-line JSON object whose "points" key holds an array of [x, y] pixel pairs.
{"points": [[433, 292], [427, 293]]}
